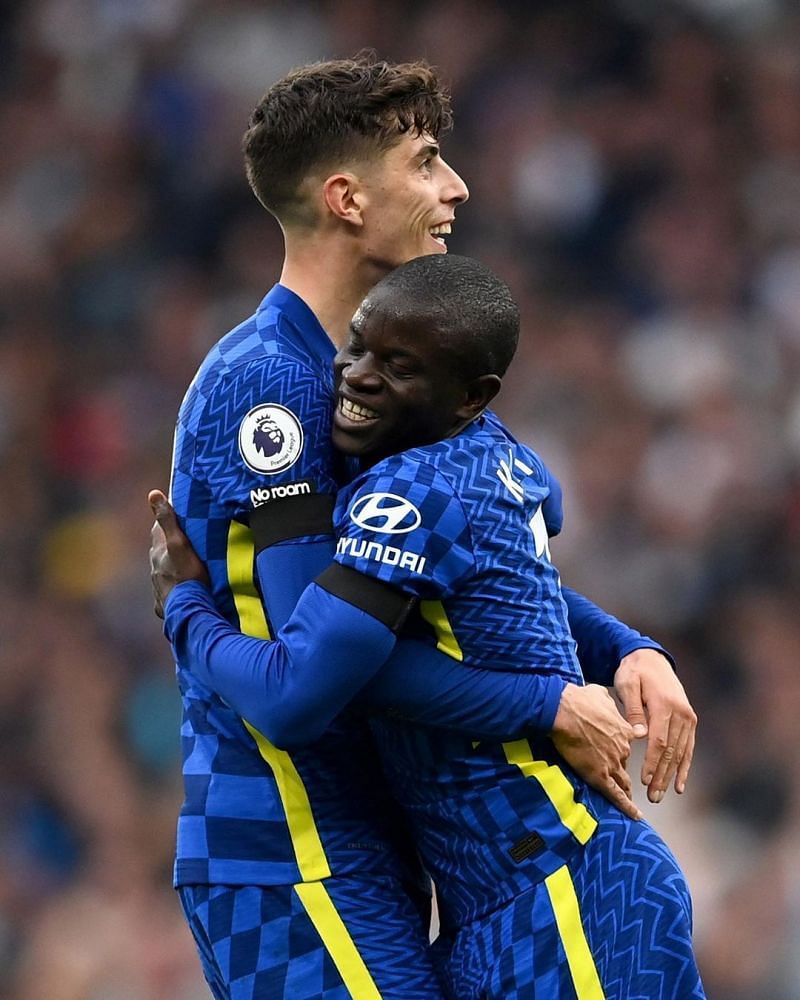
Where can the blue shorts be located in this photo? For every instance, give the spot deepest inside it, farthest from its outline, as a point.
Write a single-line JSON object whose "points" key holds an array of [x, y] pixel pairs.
{"points": [[342, 938], [613, 924]]}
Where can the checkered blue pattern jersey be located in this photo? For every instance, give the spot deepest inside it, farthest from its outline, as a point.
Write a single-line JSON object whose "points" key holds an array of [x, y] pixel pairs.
{"points": [[463, 524], [257, 416]]}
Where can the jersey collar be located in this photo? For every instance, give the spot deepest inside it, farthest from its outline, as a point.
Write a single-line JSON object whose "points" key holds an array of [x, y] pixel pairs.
{"points": [[308, 327]]}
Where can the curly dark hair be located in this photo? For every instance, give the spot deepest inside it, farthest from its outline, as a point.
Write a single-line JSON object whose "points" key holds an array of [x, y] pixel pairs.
{"points": [[331, 113]]}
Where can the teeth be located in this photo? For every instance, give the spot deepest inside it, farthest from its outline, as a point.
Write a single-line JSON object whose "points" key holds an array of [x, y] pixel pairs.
{"points": [[443, 230], [355, 412]]}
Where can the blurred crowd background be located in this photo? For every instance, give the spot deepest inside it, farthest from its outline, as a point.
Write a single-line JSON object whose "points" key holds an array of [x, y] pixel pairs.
{"points": [[635, 177]]}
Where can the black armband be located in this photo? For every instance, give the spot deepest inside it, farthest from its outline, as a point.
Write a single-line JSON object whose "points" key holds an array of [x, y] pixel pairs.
{"points": [[292, 517], [381, 600]]}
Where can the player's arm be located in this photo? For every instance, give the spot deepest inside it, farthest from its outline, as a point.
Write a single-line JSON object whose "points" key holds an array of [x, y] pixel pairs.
{"points": [[261, 450], [332, 644], [435, 560], [642, 674], [290, 688], [278, 685], [583, 721], [602, 640]]}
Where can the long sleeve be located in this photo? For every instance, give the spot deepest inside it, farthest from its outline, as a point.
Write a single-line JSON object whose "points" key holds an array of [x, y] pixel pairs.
{"points": [[289, 688], [293, 687], [426, 688], [602, 639]]}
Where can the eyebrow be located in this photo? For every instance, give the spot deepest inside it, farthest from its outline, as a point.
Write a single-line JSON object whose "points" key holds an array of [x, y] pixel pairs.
{"points": [[429, 150]]}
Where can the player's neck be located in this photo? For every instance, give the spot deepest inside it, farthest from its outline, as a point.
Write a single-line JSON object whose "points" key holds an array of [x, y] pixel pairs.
{"points": [[331, 278]]}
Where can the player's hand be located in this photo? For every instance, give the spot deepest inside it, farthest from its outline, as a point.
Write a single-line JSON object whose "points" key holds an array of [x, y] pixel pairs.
{"points": [[595, 740], [656, 705], [172, 558]]}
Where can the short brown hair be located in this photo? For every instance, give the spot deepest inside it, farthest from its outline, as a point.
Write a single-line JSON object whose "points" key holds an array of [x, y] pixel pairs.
{"points": [[334, 112]]}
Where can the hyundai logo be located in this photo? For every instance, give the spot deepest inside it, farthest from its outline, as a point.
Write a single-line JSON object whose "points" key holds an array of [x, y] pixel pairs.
{"points": [[386, 513]]}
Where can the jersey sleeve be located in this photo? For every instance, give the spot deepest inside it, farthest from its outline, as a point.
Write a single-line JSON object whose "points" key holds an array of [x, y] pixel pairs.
{"points": [[290, 688], [403, 523], [552, 508], [424, 687], [260, 448], [602, 639], [263, 435]]}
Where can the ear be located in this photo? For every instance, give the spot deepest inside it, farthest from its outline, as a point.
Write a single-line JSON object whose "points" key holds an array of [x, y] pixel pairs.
{"points": [[478, 394], [344, 198]]}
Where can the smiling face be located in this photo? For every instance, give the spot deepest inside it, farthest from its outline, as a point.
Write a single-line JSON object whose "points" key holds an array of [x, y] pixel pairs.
{"points": [[395, 387], [426, 352], [411, 195]]}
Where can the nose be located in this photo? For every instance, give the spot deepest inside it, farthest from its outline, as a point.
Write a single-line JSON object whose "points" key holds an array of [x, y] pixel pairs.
{"points": [[454, 190], [360, 375]]}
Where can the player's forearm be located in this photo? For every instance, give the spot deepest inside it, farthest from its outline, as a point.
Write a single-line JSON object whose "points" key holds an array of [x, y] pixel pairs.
{"points": [[291, 688], [602, 639], [425, 687], [284, 572]]}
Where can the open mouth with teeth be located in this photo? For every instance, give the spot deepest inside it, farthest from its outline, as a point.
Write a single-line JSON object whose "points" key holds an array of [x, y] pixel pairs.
{"points": [[439, 233], [356, 413]]}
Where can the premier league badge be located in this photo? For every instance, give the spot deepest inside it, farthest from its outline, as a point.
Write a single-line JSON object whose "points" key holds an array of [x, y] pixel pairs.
{"points": [[270, 439]]}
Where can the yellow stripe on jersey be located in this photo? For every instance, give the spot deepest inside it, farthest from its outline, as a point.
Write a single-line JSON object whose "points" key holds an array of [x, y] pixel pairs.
{"points": [[574, 815], [336, 938], [567, 912], [310, 855], [434, 614], [241, 555], [307, 846]]}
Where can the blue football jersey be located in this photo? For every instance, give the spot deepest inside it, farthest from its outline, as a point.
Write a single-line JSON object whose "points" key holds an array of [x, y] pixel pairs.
{"points": [[254, 428], [464, 524]]}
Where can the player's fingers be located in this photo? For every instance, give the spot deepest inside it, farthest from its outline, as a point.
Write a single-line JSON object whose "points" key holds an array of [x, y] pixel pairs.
{"points": [[622, 799], [623, 781], [634, 710], [670, 758], [157, 501], [681, 747], [656, 744], [162, 510], [685, 765], [165, 516]]}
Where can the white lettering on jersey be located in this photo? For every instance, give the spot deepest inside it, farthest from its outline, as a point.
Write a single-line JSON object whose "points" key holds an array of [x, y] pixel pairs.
{"points": [[359, 548], [506, 475], [385, 512], [539, 530], [264, 494]]}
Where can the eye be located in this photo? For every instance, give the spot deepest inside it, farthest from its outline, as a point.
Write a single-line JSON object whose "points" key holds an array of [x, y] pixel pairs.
{"points": [[355, 348], [401, 369]]}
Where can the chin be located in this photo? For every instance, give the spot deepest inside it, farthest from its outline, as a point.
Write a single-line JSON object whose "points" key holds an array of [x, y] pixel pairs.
{"points": [[345, 444]]}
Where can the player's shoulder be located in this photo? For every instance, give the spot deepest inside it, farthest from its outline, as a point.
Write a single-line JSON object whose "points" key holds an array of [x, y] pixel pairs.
{"points": [[416, 471], [506, 442], [404, 491], [243, 371], [248, 354]]}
